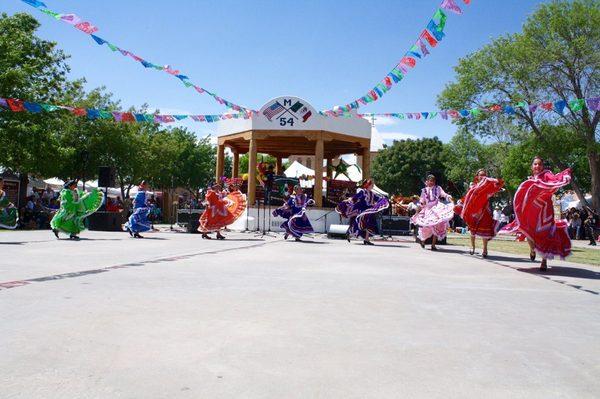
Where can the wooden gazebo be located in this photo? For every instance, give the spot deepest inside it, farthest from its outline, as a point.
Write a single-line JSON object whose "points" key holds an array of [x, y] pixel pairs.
{"points": [[288, 126]]}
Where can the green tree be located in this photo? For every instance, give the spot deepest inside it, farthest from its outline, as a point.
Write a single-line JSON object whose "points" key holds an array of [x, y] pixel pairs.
{"points": [[556, 57], [568, 147], [260, 158], [464, 156], [403, 166], [35, 70], [176, 158]]}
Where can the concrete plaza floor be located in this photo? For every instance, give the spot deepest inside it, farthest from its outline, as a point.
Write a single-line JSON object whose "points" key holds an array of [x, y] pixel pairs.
{"points": [[175, 316]]}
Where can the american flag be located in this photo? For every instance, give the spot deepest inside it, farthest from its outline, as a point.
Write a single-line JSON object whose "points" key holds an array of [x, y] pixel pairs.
{"points": [[273, 110]]}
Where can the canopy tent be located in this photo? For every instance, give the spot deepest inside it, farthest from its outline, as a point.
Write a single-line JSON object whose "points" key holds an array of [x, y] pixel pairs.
{"points": [[569, 201], [296, 169], [113, 192]]}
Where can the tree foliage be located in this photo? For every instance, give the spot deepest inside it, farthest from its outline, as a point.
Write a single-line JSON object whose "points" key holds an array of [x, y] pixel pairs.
{"points": [[403, 166], [556, 57], [35, 70]]}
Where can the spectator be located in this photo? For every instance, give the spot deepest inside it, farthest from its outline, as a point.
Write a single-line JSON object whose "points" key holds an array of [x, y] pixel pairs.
{"points": [[590, 223], [497, 213], [30, 203], [48, 194], [509, 212], [575, 225], [111, 205], [53, 205]]}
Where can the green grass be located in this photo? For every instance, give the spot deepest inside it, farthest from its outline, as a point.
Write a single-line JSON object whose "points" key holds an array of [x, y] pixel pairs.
{"points": [[586, 256]]}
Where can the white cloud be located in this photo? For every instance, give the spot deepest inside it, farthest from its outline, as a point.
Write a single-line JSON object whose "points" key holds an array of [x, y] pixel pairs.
{"points": [[388, 136]]}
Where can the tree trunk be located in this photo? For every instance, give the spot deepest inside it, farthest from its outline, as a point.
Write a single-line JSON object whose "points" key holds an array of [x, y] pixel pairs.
{"points": [[23, 182], [594, 161]]}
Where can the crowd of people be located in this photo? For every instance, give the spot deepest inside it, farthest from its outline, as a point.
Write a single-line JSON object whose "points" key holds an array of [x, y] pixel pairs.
{"points": [[583, 224], [42, 205]]}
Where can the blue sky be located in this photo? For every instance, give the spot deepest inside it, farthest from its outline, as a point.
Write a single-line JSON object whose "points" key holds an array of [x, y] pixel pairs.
{"points": [[327, 52]]}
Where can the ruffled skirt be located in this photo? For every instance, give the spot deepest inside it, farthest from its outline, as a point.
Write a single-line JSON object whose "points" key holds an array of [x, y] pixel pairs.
{"points": [[434, 221], [72, 222], [216, 217]]}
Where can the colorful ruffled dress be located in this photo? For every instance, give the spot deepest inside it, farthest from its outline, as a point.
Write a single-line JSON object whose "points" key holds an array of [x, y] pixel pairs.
{"points": [[534, 214], [294, 210], [75, 206], [476, 210], [138, 221], [221, 210], [434, 215], [362, 210], [9, 214]]}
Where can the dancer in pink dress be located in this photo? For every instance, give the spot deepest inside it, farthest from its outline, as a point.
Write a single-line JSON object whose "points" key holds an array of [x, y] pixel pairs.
{"points": [[433, 215]]}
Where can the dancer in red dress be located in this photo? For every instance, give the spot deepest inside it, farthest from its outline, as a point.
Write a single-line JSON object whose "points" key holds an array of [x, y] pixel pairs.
{"points": [[476, 211], [534, 214], [222, 209]]}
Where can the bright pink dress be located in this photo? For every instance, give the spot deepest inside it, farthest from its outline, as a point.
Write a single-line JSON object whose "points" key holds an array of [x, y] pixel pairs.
{"points": [[434, 215]]}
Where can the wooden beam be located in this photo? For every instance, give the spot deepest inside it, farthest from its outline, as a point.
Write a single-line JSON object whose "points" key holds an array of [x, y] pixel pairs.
{"points": [[366, 163], [220, 162], [236, 165], [318, 189], [252, 172], [278, 166]]}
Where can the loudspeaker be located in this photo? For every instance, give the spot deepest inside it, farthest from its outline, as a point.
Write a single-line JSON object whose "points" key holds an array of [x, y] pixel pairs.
{"points": [[106, 221], [193, 224], [106, 176], [337, 231], [395, 225]]}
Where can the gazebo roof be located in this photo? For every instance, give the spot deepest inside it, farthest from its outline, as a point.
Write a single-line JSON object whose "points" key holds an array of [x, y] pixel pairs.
{"points": [[289, 125]]}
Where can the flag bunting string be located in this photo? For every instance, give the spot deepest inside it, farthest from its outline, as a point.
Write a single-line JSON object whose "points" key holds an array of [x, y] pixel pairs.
{"points": [[17, 105], [592, 104], [430, 36]]}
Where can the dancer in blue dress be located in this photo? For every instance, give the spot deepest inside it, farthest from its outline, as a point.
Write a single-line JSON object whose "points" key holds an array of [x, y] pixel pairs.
{"points": [[362, 210], [294, 210], [138, 221]]}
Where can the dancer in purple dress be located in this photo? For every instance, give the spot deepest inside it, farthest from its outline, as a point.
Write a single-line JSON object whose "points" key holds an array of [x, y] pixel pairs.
{"points": [[433, 215], [362, 210], [294, 210]]}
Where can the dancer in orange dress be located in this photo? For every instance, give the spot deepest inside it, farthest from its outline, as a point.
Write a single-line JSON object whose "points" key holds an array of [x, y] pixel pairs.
{"points": [[222, 209]]}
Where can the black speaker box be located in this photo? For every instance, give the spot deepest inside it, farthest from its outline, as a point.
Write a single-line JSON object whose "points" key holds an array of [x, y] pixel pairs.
{"points": [[395, 225], [106, 176]]}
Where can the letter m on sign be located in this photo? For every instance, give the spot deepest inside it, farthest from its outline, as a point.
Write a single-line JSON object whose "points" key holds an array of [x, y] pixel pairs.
{"points": [[287, 103]]}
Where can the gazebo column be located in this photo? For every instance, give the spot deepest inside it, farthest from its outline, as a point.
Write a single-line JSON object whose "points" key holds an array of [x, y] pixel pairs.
{"points": [[366, 163], [318, 189], [278, 166], [252, 172], [329, 168], [235, 170], [220, 161]]}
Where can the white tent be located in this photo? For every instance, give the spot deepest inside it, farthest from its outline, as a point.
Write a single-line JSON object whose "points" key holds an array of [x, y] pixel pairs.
{"points": [[571, 201], [57, 184], [296, 169]]}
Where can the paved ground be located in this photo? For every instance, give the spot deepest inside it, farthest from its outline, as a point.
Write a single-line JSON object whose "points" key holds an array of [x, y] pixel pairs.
{"points": [[174, 316]]}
